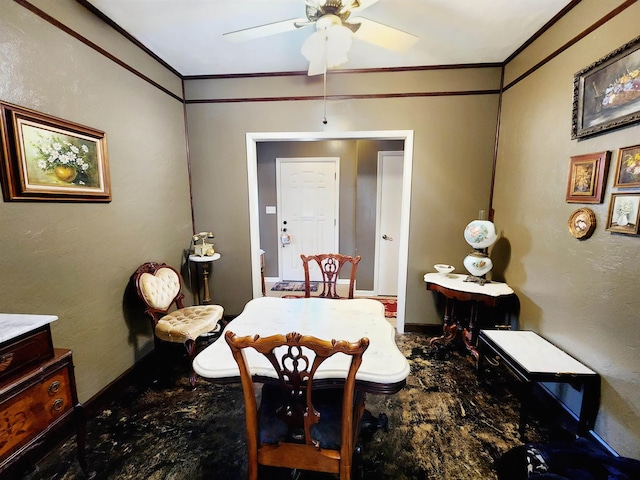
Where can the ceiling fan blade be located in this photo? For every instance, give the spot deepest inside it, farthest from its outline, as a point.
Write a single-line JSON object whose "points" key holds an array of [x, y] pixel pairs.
{"points": [[266, 30], [355, 6], [316, 67], [383, 35]]}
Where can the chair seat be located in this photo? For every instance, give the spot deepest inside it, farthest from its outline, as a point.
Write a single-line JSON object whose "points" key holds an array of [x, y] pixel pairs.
{"points": [[327, 432], [189, 323]]}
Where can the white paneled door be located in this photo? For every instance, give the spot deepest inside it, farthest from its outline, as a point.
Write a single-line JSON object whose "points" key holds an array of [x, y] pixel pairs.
{"points": [[307, 211], [390, 172]]}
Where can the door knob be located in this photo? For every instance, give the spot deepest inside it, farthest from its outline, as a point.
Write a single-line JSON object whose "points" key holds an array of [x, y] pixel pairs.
{"points": [[387, 237]]}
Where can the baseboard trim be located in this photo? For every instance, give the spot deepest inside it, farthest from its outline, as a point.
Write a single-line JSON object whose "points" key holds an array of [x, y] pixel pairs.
{"points": [[110, 393], [428, 329]]}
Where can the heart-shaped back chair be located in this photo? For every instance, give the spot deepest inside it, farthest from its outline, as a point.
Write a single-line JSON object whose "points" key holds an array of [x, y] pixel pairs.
{"points": [[160, 288]]}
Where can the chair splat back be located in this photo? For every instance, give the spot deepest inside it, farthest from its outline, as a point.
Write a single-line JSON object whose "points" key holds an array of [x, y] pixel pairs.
{"points": [[330, 265], [299, 404], [159, 287]]}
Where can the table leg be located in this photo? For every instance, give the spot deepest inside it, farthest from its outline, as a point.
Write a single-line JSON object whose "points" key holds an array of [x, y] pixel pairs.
{"points": [[525, 391], [590, 405], [470, 333], [205, 279], [449, 327]]}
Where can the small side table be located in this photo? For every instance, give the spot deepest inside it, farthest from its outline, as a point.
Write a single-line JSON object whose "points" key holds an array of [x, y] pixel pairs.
{"points": [[455, 289], [205, 261], [533, 359]]}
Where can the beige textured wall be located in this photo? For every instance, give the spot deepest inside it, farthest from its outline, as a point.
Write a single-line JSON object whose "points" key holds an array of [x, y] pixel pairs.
{"points": [[357, 196], [582, 295], [453, 149], [75, 260]]}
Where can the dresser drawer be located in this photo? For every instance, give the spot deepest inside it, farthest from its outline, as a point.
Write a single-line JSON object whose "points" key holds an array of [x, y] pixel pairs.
{"points": [[24, 352], [34, 404]]}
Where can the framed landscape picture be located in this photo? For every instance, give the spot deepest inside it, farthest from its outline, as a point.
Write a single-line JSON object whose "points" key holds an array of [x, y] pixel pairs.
{"points": [[46, 158], [606, 94], [587, 177], [628, 167], [624, 213]]}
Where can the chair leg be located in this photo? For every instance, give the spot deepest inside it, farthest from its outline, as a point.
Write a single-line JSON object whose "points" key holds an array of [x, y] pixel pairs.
{"points": [[190, 345]]}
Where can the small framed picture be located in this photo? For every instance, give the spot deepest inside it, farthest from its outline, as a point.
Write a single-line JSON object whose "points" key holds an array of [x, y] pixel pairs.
{"points": [[587, 177], [582, 223], [624, 213], [628, 167]]}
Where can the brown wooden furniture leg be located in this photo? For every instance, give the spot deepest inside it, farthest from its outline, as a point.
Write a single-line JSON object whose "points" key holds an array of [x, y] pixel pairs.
{"points": [[450, 325]]}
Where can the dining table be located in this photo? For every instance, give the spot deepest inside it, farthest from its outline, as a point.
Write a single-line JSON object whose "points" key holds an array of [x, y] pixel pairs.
{"points": [[384, 368]]}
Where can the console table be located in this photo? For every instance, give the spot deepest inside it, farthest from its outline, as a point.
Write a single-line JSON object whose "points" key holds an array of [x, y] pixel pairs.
{"points": [[37, 387], [531, 358], [455, 290]]}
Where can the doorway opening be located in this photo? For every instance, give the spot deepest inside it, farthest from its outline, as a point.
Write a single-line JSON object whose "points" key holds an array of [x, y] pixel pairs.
{"points": [[252, 139]]}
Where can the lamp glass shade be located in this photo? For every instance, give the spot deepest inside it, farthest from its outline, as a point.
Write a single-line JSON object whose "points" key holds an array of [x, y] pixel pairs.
{"points": [[477, 264], [480, 234]]}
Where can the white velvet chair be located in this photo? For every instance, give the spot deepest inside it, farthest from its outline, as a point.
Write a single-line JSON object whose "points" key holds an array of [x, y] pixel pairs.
{"points": [[160, 288]]}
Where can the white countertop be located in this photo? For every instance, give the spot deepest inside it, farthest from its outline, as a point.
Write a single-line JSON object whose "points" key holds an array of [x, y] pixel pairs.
{"points": [[205, 258], [323, 318], [455, 281], [534, 353], [13, 325]]}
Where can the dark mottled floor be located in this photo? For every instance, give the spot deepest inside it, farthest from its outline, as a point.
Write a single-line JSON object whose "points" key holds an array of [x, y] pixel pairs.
{"points": [[442, 425]]}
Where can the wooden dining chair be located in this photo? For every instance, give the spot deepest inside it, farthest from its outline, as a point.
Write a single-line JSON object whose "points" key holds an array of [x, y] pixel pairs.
{"points": [[330, 265], [159, 287], [298, 425]]}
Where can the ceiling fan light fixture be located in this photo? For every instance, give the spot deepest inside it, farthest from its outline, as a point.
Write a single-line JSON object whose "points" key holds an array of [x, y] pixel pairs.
{"points": [[327, 47]]}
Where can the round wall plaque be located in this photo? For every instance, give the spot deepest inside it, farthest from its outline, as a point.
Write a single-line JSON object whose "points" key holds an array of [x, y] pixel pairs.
{"points": [[582, 223]]}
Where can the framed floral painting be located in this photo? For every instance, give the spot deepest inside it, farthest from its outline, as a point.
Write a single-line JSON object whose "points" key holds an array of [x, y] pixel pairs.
{"points": [[47, 158], [587, 177], [606, 94], [624, 213], [628, 167]]}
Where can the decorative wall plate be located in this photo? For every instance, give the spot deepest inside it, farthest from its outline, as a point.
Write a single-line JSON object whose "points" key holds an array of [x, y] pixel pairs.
{"points": [[582, 223]]}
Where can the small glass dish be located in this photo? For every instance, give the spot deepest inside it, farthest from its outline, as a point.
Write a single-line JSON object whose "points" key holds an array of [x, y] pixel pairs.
{"points": [[444, 269]]}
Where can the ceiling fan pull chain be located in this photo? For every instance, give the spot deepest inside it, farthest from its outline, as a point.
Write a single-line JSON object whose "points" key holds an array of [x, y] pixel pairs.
{"points": [[324, 116]]}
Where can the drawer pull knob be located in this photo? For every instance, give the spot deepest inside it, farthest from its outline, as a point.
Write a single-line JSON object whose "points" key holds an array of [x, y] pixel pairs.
{"points": [[57, 405], [54, 387], [493, 362]]}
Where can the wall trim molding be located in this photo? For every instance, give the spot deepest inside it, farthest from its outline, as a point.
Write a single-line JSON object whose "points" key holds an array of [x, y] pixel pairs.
{"points": [[29, 6], [364, 96]]}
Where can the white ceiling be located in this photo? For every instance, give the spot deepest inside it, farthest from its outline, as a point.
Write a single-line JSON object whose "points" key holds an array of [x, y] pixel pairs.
{"points": [[187, 34]]}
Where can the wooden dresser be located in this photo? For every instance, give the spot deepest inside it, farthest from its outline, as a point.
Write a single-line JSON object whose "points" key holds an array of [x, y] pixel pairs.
{"points": [[37, 387]]}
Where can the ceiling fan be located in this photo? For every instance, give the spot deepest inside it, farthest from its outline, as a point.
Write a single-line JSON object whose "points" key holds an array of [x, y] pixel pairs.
{"points": [[327, 47]]}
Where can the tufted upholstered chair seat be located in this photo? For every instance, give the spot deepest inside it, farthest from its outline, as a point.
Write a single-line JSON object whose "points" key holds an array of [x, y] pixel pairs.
{"points": [[159, 287]]}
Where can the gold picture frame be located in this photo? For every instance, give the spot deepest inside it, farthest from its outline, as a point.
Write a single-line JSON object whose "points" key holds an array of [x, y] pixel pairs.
{"points": [[628, 167], [624, 213], [582, 223], [45, 158], [587, 177]]}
